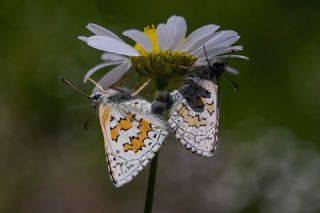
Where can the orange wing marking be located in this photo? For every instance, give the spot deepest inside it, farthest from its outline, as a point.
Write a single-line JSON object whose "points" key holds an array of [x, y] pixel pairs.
{"points": [[114, 132], [191, 120], [138, 142], [125, 124], [210, 108], [199, 102]]}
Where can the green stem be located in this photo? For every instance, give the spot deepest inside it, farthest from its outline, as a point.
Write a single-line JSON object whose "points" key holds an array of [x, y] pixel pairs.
{"points": [[151, 184], [160, 84]]}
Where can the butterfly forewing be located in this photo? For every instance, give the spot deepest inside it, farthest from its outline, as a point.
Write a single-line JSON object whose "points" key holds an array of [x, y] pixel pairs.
{"points": [[195, 122], [132, 136]]}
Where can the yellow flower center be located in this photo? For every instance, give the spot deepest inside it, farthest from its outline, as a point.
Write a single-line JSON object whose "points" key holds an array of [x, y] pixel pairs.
{"points": [[163, 66], [151, 33]]}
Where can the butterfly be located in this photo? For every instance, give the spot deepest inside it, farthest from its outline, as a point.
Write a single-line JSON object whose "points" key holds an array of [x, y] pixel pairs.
{"points": [[132, 133], [194, 117]]}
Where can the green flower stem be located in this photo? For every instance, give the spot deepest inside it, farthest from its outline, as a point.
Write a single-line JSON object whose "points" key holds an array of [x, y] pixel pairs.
{"points": [[160, 85], [151, 184]]}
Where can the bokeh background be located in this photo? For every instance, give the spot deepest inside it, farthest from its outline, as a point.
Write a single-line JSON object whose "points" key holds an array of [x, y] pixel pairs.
{"points": [[268, 159]]}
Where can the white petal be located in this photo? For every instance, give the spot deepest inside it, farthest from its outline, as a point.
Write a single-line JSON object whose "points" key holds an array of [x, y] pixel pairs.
{"points": [[223, 50], [165, 36], [83, 38], [232, 56], [114, 75], [203, 62], [216, 51], [97, 67], [113, 57], [224, 57], [111, 45], [179, 25], [198, 37], [232, 70], [222, 38], [140, 38], [101, 31]]}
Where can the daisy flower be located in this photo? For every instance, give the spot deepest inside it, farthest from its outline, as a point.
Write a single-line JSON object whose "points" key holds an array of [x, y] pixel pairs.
{"points": [[163, 53]]}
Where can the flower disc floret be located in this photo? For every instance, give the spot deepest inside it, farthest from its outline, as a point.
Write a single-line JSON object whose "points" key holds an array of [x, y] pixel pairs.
{"points": [[164, 67]]}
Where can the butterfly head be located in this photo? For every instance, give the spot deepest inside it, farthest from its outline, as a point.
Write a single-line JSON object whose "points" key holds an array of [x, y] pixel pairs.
{"points": [[96, 98], [211, 72], [115, 95], [217, 69]]}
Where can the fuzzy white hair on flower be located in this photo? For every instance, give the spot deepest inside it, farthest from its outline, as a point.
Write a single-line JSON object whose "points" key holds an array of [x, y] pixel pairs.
{"points": [[164, 50]]}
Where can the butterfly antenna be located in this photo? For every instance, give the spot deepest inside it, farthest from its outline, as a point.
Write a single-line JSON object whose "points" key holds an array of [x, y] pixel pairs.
{"points": [[141, 87], [74, 87], [96, 84], [235, 85], [85, 125]]}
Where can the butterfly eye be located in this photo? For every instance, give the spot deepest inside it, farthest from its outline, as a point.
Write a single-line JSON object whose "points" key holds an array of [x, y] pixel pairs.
{"points": [[96, 96]]}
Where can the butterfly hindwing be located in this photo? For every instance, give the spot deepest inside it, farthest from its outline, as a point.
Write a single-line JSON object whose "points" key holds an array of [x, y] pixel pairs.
{"points": [[194, 118], [132, 136]]}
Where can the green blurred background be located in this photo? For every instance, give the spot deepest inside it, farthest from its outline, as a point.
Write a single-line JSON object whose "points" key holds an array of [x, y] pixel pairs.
{"points": [[268, 159]]}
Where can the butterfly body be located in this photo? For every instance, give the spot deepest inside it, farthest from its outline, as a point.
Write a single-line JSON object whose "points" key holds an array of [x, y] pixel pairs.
{"points": [[211, 72], [132, 134]]}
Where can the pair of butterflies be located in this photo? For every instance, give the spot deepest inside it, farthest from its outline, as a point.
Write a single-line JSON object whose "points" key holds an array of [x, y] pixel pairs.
{"points": [[133, 131]]}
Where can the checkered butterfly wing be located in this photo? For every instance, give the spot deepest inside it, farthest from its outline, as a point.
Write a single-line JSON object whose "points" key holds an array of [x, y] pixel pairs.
{"points": [[132, 136], [194, 116]]}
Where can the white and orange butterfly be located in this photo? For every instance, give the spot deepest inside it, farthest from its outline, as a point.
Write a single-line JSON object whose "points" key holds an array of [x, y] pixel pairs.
{"points": [[194, 117], [132, 133]]}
